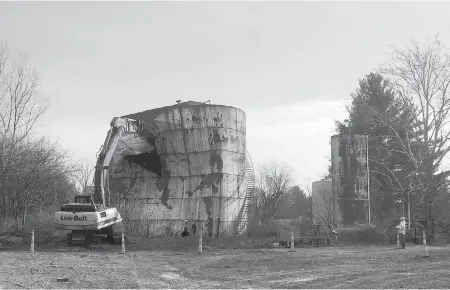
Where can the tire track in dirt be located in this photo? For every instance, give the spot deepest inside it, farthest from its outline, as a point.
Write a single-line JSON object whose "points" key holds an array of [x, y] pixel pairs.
{"points": [[127, 262], [156, 272], [188, 276], [225, 270]]}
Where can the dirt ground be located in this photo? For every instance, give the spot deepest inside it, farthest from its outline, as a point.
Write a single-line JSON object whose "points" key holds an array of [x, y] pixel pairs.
{"points": [[177, 264]]}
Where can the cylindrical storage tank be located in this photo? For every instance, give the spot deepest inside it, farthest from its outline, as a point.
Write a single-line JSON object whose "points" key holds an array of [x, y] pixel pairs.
{"points": [[323, 202], [350, 176], [196, 173]]}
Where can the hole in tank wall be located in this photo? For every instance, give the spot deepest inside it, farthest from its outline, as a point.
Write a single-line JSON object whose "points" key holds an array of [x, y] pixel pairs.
{"points": [[149, 161]]}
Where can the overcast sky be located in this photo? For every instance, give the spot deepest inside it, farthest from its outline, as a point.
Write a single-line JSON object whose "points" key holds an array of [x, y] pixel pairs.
{"points": [[290, 66]]}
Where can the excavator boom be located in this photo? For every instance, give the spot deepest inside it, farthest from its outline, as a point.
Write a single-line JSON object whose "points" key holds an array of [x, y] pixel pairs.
{"points": [[93, 216], [119, 126]]}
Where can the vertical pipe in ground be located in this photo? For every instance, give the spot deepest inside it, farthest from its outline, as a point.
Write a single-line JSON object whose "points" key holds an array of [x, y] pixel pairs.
{"points": [[32, 242], [292, 241], [424, 237], [122, 251], [200, 240]]}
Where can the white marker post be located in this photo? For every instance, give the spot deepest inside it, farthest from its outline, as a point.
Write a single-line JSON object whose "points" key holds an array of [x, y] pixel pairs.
{"points": [[424, 237], [200, 240], [398, 240], [32, 242], [122, 251], [292, 249]]}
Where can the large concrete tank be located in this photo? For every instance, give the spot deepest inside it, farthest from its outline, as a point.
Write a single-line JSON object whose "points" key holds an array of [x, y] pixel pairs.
{"points": [[196, 171], [350, 176]]}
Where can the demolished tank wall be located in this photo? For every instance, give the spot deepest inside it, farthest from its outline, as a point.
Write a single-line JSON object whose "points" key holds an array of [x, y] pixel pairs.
{"points": [[350, 177], [196, 171]]}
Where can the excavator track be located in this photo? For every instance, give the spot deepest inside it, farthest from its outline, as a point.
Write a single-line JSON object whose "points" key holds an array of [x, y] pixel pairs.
{"points": [[76, 238], [85, 238]]}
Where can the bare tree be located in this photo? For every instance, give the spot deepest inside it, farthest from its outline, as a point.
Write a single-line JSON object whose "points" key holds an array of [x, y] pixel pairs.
{"points": [[273, 183], [421, 77], [20, 109], [84, 174], [322, 207]]}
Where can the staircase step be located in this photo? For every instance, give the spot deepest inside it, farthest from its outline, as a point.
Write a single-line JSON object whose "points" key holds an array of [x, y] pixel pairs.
{"points": [[250, 186]]}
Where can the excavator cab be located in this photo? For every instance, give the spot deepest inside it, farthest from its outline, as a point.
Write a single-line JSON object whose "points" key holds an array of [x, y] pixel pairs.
{"points": [[83, 203], [84, 199]]}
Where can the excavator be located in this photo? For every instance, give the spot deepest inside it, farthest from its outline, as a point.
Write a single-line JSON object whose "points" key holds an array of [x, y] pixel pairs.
{"points": [[92, 216]]}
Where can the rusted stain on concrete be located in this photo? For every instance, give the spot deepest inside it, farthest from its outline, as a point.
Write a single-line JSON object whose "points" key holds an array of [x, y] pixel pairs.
{"points": [[214, 137], [210, 180], [215, 161], [208, 203], [210, 224], [214, 179], [163, 185]]}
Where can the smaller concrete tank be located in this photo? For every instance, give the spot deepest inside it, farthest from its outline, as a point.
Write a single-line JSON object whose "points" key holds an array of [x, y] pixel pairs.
{"points": [[324, 204]]}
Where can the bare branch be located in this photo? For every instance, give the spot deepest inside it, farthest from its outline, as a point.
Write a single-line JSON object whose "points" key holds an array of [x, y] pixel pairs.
{"points": [[421, 76], [322, 207], [272, 185], [83, 174], [20, 109]]}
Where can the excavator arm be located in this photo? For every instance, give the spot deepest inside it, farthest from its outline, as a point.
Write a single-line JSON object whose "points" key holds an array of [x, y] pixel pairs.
{"points": [[119, 127]]}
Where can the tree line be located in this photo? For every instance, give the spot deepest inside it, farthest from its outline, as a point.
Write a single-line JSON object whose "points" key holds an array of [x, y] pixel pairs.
{"points": [[34, 172], [404, 107]]}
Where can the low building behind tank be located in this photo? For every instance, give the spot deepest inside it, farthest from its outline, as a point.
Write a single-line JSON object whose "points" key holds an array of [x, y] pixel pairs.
{"points": [[193, 169], [325, 206], [350, 177]]}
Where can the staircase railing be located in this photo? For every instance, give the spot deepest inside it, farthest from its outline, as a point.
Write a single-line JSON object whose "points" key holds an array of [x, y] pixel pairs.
{"points": [[250, 182]]}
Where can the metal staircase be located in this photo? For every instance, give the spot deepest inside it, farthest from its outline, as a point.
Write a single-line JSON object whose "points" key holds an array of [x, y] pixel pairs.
{"points": [[250, 181]]}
